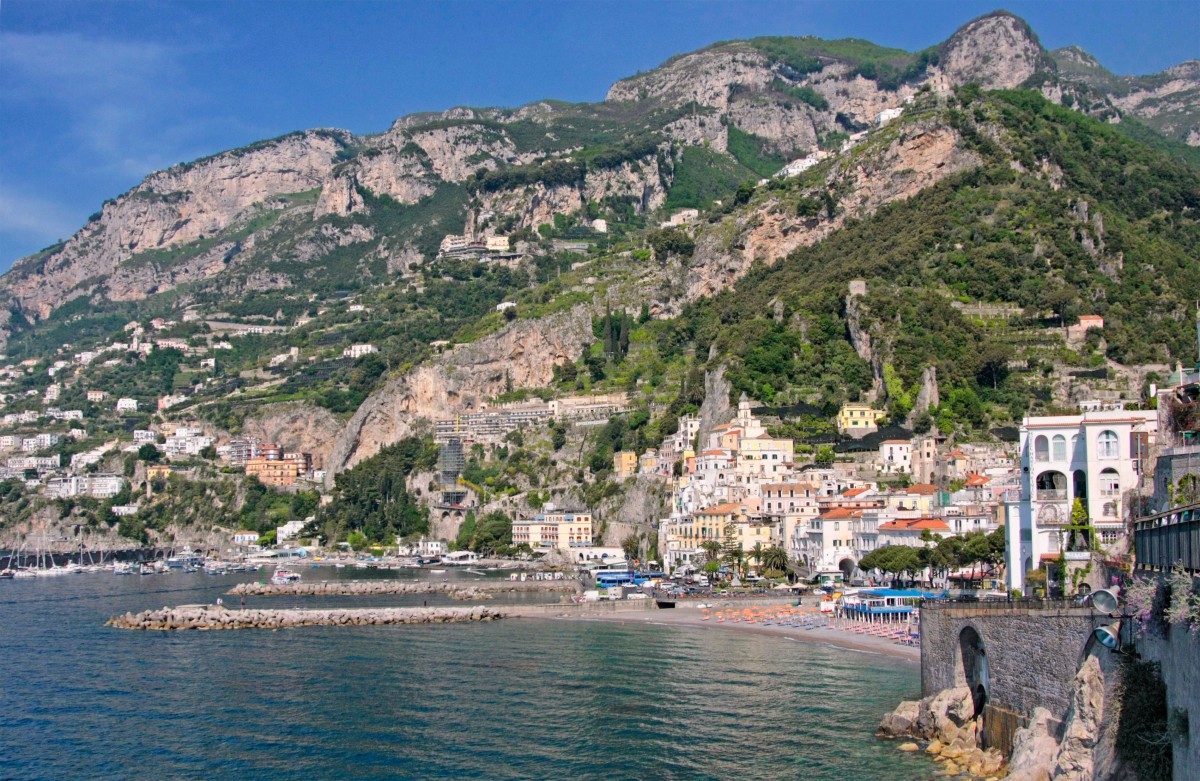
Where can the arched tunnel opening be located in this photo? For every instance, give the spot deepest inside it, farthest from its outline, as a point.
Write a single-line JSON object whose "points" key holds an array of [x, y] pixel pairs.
{"points": [[974, 666]]}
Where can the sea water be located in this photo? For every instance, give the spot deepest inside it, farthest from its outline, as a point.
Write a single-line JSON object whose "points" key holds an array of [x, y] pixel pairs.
{"points": [[513, 699]]}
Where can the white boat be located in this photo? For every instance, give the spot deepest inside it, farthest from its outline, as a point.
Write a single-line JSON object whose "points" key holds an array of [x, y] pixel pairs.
{"points": [[25, 572], [282, 575], [123, 568], [438, 571]]}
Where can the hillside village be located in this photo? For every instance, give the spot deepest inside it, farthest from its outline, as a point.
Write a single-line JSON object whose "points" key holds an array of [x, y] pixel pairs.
{"points": [[779, 302]]}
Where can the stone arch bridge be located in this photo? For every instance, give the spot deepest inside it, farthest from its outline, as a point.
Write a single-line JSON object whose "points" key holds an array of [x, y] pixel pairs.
{"points": [[1013, 656]]}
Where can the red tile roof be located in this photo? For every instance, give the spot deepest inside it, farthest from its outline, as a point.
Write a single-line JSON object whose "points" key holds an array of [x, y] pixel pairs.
{"points": [[915, 524], [729, 508], [853, 492], [922, 489], [976, 480]]}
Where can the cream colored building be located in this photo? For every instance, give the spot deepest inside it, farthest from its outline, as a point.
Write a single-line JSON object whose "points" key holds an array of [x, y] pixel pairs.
{"points": [[562, 530]]}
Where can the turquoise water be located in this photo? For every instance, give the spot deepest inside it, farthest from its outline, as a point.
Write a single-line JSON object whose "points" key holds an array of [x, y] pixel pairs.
{"points": [[514, 699]]}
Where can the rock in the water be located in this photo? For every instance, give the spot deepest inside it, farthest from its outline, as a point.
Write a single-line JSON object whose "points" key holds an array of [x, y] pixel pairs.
{"points": [[900, 721]]}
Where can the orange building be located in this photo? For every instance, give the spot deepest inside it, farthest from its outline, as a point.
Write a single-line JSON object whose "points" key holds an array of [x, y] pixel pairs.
{"points": [[273, 472]]}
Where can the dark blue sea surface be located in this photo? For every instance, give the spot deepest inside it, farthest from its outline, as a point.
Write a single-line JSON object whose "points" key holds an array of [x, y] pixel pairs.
{"points": [[514, 699]]}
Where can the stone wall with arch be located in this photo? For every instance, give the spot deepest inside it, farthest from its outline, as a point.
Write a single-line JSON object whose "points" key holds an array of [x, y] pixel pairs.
{"points": [[1022, 657]]}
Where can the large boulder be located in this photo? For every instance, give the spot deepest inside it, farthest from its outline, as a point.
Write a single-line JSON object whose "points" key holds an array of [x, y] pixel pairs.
{"points": [[899, 722]]}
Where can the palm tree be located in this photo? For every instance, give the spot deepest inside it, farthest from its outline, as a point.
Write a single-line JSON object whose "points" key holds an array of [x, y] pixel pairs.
{"points": [[757, 554], [775, 558], [712, 550]]}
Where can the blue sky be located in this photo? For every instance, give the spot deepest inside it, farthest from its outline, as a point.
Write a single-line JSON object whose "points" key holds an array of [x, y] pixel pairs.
{"points": [[95, 95]]}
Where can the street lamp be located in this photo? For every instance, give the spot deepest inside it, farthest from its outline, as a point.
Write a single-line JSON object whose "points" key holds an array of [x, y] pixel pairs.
{"points": [[1105, 601]]}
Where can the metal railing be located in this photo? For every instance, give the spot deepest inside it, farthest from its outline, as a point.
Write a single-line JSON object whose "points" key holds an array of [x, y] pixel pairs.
{"points": [[1168, 539], [1000, 605]]}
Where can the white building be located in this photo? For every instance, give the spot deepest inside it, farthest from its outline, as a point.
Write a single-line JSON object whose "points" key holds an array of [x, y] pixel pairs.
{"points": [[288, 531], [127, 405], [1096, 457], [895, 457], [186, 443], [95, 486], [359, 350]]}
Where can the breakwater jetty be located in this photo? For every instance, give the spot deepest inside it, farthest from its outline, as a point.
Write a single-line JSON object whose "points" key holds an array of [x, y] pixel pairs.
{"points": [[208, 617], [455, 590]]}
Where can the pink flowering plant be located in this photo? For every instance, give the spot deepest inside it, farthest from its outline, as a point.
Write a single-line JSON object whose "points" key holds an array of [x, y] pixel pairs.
{"points": [[1141, 596], [1184, 606], [1157, 604]]}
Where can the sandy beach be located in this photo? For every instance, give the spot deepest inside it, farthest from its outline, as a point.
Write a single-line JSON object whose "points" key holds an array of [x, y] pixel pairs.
{"points": [[696, 618]]}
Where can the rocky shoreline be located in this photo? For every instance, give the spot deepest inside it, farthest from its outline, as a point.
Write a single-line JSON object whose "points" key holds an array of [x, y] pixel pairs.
{"points": [[208, 617], [455, 590], [946, 724]]}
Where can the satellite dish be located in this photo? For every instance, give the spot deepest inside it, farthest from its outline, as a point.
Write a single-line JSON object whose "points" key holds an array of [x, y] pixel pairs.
{"points": [[1104, 600], [1108, 636]]}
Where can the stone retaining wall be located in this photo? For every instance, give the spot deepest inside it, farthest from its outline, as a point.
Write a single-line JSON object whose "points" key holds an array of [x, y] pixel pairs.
{"points": [[209, 617], [1032, 655]]}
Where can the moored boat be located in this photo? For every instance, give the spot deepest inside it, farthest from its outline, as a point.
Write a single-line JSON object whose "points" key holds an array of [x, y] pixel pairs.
{"points": [[282, 575]]}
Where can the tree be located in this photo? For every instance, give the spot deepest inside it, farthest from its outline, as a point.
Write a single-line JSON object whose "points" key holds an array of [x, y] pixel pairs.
{"points": [[992, 365], [631, 544], [756, 553], [744, 192], [358, 541], [775, 558], [149, 453], [712, 551]]}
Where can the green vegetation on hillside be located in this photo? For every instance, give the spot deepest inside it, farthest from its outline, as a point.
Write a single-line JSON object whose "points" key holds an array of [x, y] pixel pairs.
{"points": [[371, 498], [989, 234], [702, 176]]}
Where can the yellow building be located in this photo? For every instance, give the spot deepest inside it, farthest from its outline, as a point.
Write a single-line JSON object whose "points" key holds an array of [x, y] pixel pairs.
{"points": [[271, 472], [562, 530], [158, 472], [859, 419], [625, 463], [689, 532]]}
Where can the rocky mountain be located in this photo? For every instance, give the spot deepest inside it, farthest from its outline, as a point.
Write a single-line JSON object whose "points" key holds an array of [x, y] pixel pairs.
{"points": [[311, 210]]}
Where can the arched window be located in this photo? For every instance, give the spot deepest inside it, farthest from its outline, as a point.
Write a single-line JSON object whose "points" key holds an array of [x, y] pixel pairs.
{"points": [[1108, 447], [1049, 514], [1110, 483], [1041, 449], [1109, 510], [1051, 487], [1060, 448]]}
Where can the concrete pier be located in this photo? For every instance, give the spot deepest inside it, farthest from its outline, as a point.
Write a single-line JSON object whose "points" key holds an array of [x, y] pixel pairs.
{"points": [[208, 617], [454, 589]]}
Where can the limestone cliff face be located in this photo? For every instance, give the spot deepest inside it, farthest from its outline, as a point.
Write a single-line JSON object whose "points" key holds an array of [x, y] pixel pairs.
{"points": [[171, 208], [523, 354], [735, 80], [296, 427], [1170, 102], [704, 77], [537, 204], [998, 51], [918, 155]]}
